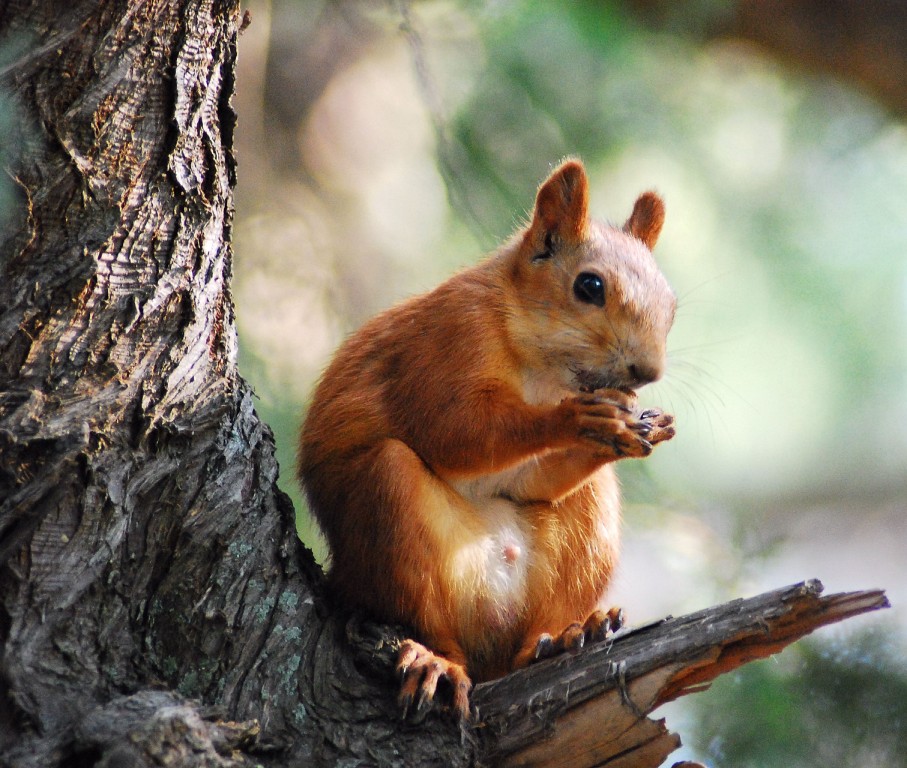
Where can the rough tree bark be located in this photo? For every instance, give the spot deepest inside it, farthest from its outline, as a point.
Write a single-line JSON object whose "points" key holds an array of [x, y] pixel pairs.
{"points": [[156, 606]]}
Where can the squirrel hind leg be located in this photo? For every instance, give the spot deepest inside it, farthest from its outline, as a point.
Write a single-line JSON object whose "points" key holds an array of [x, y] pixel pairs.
{"points": [[386, 556]]}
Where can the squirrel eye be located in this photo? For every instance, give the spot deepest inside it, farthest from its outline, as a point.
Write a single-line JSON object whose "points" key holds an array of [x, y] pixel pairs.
{"points": [[590, 288]]}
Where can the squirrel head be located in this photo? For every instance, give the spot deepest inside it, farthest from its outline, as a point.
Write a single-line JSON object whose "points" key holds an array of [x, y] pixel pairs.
{"points": [[592, 307]]}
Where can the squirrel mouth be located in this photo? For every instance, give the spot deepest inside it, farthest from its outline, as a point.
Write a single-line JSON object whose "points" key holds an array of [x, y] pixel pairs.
{"points": [[589, 381]]}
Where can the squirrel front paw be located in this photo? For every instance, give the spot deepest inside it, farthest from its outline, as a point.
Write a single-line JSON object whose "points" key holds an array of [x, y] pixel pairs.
{"points": [[613, 420]]}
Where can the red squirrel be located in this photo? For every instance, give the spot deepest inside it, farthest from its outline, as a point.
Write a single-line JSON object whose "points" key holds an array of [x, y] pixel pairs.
{"points": [[458, 451]]}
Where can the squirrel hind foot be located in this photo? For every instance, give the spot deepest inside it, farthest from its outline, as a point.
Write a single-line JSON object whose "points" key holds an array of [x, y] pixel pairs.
{"points": [[421, 672], [598, 625]]}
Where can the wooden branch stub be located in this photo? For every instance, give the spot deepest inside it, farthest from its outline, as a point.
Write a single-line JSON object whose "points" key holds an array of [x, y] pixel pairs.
{"points": [[805, 611], [590, 709], [605, 731]]}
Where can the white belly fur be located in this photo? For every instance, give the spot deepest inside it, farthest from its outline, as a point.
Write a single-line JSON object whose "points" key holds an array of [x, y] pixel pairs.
{"points": [[494, 562]]}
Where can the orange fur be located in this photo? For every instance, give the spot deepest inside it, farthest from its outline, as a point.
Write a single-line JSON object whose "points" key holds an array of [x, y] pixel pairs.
{"points": [[457, 453]]}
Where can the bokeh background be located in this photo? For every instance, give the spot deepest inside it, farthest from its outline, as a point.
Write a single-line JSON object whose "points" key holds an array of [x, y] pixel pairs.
{"points": [[382, 146]]}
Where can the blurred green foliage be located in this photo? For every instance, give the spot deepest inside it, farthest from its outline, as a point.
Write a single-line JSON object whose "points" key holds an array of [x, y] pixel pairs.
{"points": [[819, 704]]}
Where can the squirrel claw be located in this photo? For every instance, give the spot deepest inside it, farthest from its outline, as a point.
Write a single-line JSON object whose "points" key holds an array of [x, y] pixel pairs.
{"points": [[654, 426], [544, 647], [642, 428], [404, 701]]}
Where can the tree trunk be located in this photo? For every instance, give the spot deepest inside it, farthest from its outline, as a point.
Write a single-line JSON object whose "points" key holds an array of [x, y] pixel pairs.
{"points": [[156, 606], [143, 541]]}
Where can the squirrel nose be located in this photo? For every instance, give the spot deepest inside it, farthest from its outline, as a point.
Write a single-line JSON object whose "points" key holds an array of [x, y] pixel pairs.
{"points": [[643, 373]]}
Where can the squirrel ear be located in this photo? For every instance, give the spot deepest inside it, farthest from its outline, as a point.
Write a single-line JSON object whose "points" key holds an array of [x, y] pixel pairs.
{"points": [[647, 219], [561, 204]]}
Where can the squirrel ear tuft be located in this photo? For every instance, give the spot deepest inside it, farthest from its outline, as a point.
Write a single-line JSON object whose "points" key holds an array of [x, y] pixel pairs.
{"points": [[647, 219], [562, 202]]}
